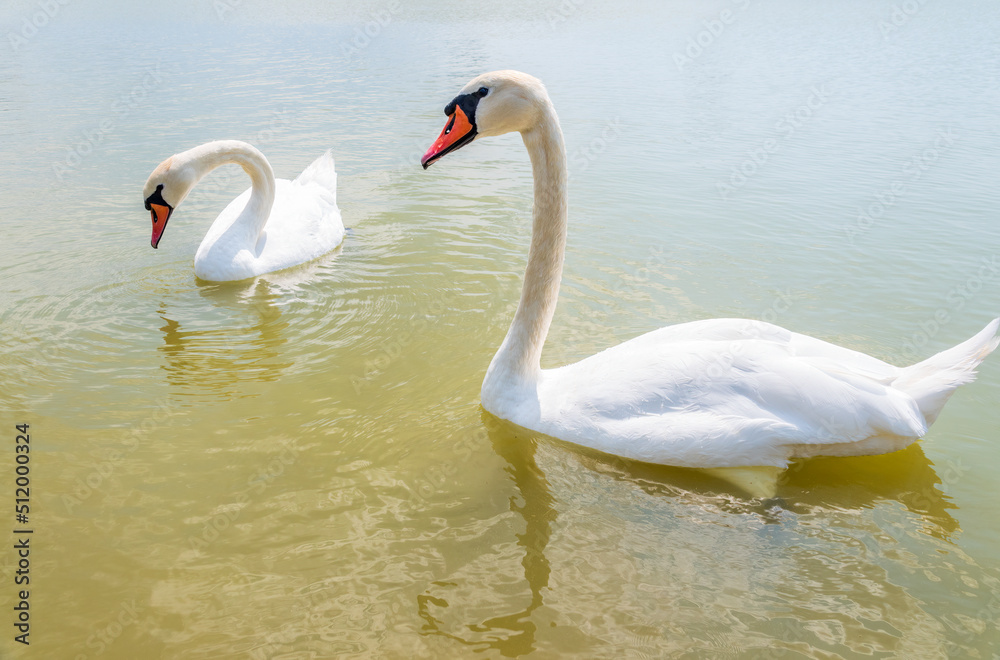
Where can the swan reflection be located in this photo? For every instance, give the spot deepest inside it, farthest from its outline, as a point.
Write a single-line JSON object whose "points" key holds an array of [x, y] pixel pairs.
{"points": [[497, 600], [511, 633], [216, 355], [856, 482]]}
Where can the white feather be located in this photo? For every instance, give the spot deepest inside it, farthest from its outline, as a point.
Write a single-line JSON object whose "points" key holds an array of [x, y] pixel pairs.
{"points": [[273, 225]]}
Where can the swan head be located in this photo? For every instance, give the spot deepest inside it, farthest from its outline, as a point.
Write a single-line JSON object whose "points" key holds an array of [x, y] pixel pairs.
{"points": [[165, 189], [491, 104]]}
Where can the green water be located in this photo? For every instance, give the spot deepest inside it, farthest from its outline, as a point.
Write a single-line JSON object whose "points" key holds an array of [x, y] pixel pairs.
{"points": [[298, 466]]}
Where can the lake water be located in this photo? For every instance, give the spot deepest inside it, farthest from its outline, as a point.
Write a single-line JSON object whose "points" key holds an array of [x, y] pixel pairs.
{"points": [[298, 466]]}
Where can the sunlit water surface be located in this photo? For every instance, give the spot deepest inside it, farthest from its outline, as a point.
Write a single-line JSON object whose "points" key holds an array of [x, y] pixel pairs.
{"points": [[298, 466]]}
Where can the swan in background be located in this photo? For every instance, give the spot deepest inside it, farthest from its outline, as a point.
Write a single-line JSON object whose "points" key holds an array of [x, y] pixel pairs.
{"points": [[721, 393], [275, 224]]}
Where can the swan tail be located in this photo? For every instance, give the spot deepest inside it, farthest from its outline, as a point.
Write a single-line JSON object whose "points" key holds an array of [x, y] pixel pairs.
{"points": [[321, 171], [934, 380]]}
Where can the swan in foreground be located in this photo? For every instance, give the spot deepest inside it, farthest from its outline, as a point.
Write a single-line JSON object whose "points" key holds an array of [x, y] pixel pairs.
{"points": [[275, 224], [721, 393]]}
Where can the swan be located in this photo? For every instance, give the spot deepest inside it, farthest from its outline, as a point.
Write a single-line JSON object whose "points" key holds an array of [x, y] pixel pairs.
{"points": [[275, 224], [717, 394]]}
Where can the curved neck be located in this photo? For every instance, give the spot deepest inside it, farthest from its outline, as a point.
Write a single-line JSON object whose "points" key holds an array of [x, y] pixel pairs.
{"points": [[207, 157], [520, 354]]}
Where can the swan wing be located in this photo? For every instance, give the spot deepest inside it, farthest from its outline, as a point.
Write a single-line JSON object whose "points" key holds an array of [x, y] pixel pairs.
{"points": [[729, 329], [743, 393], [305, 223]]}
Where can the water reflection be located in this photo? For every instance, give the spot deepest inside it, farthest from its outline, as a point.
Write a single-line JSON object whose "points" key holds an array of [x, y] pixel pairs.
{"points": [[512, 634], [544, 473], [906, 476], [835, 483], [691, 542], [216, 359]]}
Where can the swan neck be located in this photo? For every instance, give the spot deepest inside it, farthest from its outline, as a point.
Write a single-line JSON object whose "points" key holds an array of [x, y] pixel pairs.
{"points": [[215, 154], [520, 354]]}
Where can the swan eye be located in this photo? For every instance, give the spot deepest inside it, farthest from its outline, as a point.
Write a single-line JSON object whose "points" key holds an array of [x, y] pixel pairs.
{"points": [[483, 92]]}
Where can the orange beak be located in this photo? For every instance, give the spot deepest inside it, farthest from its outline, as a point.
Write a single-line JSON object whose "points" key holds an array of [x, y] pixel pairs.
{"points": [[457, 133], [160, 214]]}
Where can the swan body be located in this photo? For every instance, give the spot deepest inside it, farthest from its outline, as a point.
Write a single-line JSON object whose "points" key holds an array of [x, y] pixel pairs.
{"points": [[273, 225], [721, 393], [731, 392]]}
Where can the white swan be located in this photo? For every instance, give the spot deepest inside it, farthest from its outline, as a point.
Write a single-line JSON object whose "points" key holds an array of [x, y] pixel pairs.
{"points": [[721, 393], [275, 224]]}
